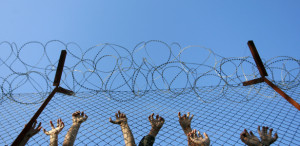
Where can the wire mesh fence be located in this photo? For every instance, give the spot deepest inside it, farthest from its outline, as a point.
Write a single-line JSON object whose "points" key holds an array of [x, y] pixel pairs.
{"points": [[139, 85]]}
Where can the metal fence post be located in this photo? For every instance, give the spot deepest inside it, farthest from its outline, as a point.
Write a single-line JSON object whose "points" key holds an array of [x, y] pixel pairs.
{"points": [[263, 73]]}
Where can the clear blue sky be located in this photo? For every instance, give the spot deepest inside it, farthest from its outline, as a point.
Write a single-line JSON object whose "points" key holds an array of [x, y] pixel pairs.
{"points": [[224, 26]]}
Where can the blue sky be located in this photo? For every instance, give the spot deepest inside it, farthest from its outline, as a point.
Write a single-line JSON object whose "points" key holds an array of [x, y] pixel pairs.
{"points": [[224, 26]]}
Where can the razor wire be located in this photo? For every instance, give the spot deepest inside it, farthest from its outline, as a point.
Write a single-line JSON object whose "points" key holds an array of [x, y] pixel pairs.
{"points": [[139, 82], [134, 71]]}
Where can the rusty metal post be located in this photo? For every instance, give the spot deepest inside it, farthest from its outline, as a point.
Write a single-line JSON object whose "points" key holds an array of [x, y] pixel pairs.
{"points": [[56, 82], [60, 68], [257, 59], [254, 81], [260, 66], [285, 96]]}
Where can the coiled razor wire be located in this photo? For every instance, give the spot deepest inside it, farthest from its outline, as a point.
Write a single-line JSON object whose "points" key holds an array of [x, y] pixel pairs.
{"points": [[151, 77], [136, 71]]}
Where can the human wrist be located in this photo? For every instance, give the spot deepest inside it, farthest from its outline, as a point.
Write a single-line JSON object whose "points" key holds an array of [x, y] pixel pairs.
{"points": [[124, 124], [76, 124], [186, 130], [153, 132]]}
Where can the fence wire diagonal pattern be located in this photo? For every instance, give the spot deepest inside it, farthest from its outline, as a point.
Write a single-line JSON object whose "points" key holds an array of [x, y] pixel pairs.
{"points": [[153, 77]]}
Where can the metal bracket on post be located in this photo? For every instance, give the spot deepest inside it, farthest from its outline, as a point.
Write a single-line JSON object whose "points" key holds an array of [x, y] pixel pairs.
{"points": [[56, 82], [263, 78]]}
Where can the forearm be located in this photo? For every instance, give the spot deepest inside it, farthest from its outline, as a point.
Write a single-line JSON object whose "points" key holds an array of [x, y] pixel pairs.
{"points": [[187, 130], [25, 140], [71, 135], [53, 140], [127, 134]]}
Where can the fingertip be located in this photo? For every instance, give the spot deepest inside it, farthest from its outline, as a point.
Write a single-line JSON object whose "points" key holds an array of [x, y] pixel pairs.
{"points": [[39, 129], [251, 133], [205, 135]]}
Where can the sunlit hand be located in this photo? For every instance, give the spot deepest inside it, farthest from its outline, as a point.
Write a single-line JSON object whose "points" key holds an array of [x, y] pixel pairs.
{"points": [[79, 118], [120, 119], [196, 140], [185, 122], [266, 139], [156, 124], [60, 125], [32, 131], [249, 139]]}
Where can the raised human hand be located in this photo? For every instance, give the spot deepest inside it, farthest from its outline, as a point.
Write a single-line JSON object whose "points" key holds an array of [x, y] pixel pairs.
{"points": [[32, 131], [55, 131], [249, 139], [79, 118], [156, 123], [195, 140], [266, 139], [185, 122], [120, 119]]}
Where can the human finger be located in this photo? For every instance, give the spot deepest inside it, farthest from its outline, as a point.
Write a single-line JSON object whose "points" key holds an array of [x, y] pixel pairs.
{"points": [[200, 135], [110, 120], [270, 132], [242, 136], [162, 119], [58, 123], [258, 130], [263, 130], [205, 135], [152, 116], [34, 124], [251, 133], [46, 132], [275, 137], [191, 117], [52, 126], [39, 126], [246, 133], [62, 124]]}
